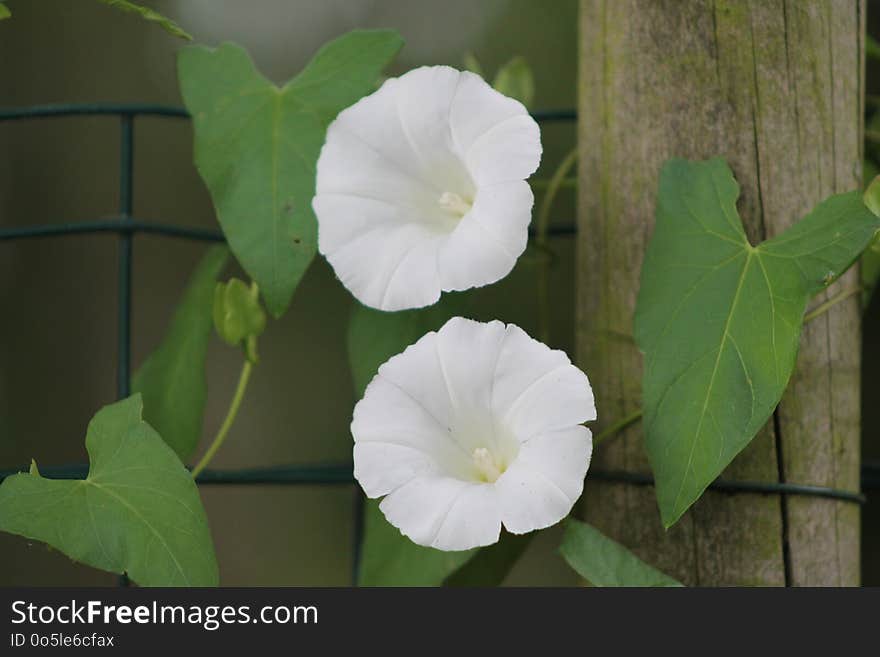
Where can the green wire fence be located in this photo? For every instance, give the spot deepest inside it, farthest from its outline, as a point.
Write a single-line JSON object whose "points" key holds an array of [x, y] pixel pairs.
{"points": [[126, 226]]}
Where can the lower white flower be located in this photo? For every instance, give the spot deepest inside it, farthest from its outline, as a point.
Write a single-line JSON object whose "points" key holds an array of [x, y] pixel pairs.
{"points": [[474, 426]]}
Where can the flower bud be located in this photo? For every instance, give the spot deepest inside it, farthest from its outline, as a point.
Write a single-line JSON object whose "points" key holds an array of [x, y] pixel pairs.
{"points": [[238, 316]]}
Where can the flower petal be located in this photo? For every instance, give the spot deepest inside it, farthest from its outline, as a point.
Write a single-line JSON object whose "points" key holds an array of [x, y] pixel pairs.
{"points": [[445, 513], [477, 108], [424, 97], [485, 246], [537, 389], [562, 456], [417, 371], [546, 479], [505, 210], [472, 257], [406, 405], [348, 217], [350, 164], [390, 269], [391, 416], [368, 133], [468, 352], [509, 151], [381, 467]]}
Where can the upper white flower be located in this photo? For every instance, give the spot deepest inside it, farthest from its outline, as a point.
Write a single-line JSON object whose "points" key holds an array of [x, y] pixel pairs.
{"points": [[473, 426], [421, 188]]}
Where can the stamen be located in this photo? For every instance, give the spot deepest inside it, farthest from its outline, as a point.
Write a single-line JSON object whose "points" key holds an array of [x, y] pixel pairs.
{"points": [[452, 202], [486, 465]]}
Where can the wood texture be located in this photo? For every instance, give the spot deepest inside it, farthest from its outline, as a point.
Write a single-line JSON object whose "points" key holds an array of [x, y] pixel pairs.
{"points": [[776, 88]]}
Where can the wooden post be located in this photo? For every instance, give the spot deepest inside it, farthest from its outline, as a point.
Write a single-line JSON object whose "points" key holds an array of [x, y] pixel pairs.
{"points": [[775, 87]]}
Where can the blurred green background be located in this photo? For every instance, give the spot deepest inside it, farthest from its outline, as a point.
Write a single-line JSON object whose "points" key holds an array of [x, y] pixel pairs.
{"points": [[58, 334]]}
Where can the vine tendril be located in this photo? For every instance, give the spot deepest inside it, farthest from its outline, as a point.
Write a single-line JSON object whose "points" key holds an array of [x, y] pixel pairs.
{"points": [[542, 225]]}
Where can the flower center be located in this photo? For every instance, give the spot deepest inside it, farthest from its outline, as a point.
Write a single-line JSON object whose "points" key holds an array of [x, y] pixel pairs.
{"points": [[452, 202], [487, 467]]}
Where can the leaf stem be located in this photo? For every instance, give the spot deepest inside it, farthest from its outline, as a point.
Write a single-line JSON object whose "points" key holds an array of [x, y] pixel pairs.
{"points": [[243, 379], [542, 225], [833, 301], [618, 426], [544, 183]]}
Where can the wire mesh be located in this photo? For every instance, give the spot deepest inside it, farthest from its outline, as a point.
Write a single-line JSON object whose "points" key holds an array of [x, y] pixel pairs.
{"points": [[127, 226]]}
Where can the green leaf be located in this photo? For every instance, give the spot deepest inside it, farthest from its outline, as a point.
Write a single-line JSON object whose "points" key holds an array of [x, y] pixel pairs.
{"points": [[472, 64], [869, 270], [872, 48], [151, 15], [172, 380], [872, 196], [719, 320], [491, 565], [515, 79], [603, 561], [388, 558], [138, 511], [256, 146], [4, 11]]}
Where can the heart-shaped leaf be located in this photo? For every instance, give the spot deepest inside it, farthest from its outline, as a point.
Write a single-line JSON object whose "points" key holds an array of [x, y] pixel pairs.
{"points": [[257, 144], [172, 380], [138, 511], [719, 320], [603, 561]]}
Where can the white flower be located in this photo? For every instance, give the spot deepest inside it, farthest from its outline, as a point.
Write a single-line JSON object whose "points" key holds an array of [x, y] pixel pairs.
{"points": [[473, 426], [421, 188]]}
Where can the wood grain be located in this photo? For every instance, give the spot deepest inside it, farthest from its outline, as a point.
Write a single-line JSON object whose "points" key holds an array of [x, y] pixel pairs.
{"points": [[776, 88]]}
